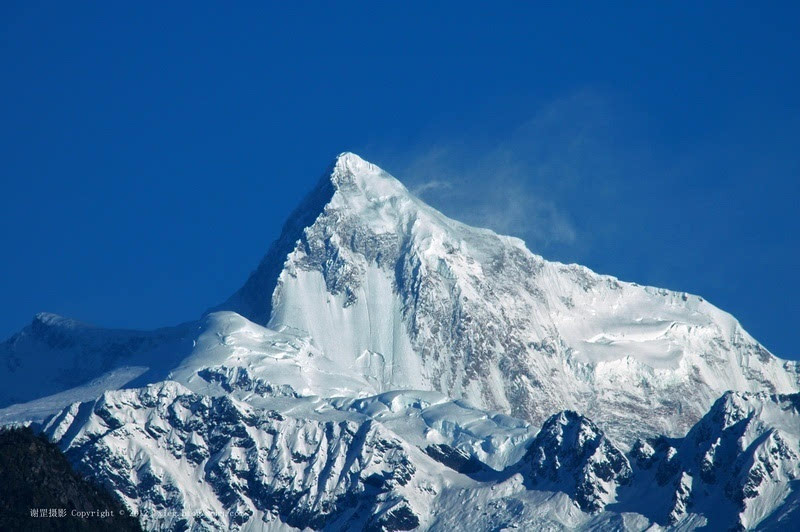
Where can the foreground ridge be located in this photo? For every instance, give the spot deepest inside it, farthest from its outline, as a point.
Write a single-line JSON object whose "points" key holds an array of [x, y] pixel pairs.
{"points": [[261, 457]]}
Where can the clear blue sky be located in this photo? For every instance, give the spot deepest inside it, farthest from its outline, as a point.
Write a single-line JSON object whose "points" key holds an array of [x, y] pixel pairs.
{"points": [[149, 155]]}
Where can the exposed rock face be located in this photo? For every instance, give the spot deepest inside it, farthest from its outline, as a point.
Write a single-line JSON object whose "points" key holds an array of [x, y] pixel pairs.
{"points": [[572, 454]]}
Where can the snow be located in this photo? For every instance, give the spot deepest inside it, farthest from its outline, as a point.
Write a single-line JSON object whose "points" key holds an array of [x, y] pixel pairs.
{"points": [[228, 339], [354, 336]]}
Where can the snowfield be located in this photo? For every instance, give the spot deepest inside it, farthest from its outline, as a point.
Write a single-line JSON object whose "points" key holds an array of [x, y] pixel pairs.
{"points": [[388, 368]]}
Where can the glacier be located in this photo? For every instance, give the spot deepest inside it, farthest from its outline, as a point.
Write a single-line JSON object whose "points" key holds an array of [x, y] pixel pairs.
{"points": [[385, 366]]}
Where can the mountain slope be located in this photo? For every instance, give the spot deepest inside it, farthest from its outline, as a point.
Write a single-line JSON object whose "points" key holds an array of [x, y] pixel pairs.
{"points": [[274, 460]]}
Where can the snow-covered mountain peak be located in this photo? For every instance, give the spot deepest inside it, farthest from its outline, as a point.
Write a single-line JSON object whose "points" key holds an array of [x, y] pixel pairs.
{"points": [[369, 290], [350, 170], [408, 298]]}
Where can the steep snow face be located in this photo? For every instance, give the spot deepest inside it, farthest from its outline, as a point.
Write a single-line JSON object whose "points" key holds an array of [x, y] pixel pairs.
{"points": [[232, 344], [408, 298]]}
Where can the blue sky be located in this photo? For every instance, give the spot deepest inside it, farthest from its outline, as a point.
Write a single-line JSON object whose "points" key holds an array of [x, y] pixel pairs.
{"points": [[150, 153]]}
